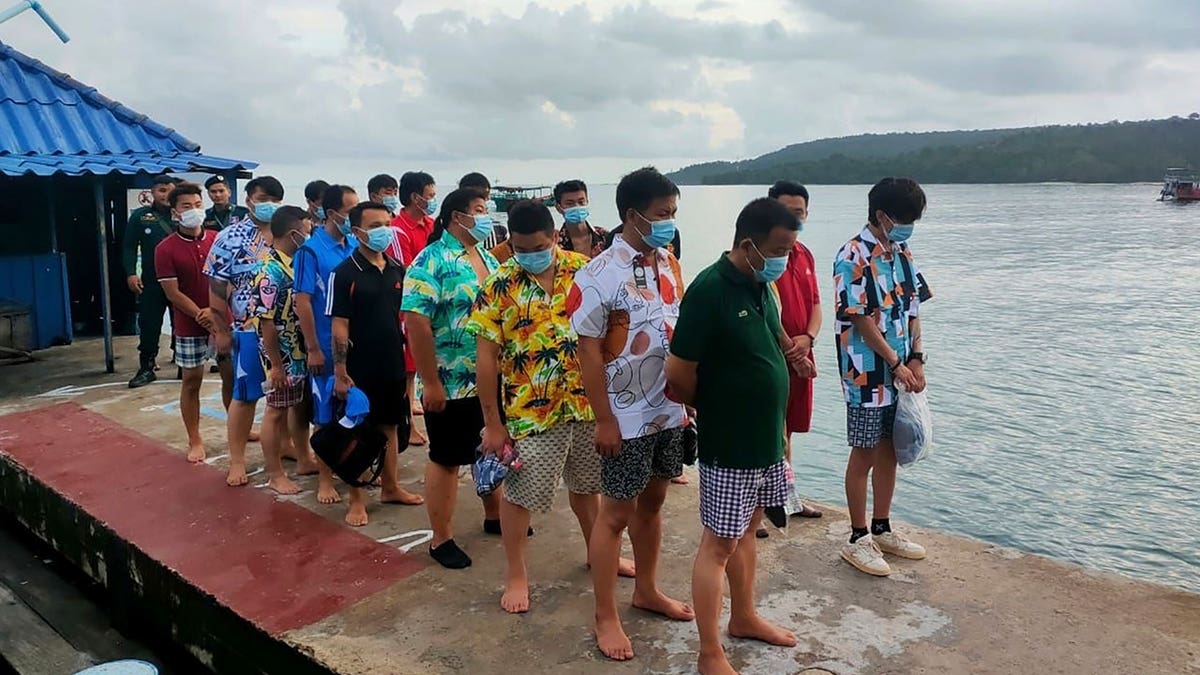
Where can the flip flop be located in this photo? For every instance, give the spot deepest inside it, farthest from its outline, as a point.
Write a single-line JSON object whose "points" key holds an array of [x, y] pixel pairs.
{"points": [[808, 512]]}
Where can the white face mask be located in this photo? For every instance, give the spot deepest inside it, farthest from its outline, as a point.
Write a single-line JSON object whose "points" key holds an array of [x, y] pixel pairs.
{"points": [[192, 218]]}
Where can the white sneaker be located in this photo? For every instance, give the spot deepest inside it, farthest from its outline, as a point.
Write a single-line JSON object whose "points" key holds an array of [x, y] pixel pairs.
{"points": [[899, 545], [866, 556]]}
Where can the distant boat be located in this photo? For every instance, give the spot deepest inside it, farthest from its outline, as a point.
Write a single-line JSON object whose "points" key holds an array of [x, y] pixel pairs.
{"points": [[1180, 185], [505, 196]]}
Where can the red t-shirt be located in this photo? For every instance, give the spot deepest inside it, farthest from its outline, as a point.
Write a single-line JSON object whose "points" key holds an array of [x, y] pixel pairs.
{"points": [[798, 294], [409, 237], [181, 258]]}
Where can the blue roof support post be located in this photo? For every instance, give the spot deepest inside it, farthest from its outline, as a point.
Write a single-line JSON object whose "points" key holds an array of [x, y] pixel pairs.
{"points": [[105, 299]]}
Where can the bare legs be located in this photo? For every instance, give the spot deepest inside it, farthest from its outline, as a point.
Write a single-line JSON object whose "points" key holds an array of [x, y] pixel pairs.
{"points": [[879, 465], [514, 524], [241, 418], [274, 432], [392, 493], [189, 409]]}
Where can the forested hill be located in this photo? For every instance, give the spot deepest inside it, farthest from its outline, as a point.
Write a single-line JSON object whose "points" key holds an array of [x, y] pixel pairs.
{"points": [[1115, 152]]}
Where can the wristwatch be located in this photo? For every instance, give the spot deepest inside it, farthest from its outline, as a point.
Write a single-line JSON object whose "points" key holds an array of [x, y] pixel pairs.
{"points": [[917, 356]]}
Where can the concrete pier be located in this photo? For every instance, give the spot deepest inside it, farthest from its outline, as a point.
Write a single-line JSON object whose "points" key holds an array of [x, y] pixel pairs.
{"points": [[251, 582]]}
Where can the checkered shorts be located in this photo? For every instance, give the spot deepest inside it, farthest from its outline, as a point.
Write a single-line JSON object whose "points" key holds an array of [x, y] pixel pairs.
{"points": [[564, 452], [192, 352], [290, 395], [868, 427], [729, 497], [658, 455]]}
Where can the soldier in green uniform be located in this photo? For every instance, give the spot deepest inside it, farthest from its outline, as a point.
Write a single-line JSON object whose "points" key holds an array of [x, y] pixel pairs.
{"points": [[221, 213], [147, 226]]}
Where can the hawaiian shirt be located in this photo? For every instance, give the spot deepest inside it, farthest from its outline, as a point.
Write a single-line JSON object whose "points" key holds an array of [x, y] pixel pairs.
{"points": [[618, 299], [543, 384], [599, 240], [272, 301], [441, 285], [234, 258], [884, 283]]}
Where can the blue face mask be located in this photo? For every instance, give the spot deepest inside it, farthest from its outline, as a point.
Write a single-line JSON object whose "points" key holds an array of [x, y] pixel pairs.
{"points": [[431, 207], [772, 268], [900, 233], [483, 227], [800, 222], [535, 262], [344, 226], [576, 214], [392, 202], [662, 232], [320, 213], [264, 210], [379, 239]]}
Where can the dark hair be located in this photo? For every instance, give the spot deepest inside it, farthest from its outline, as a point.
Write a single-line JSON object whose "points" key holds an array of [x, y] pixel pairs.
{"points": [[181, 190], [458, 200], [567, 186], [357, 211], [475, 180], [382, 181], [637, 189], [530, 217], [213, 180], [413, 181], [759, 217], [332, 198], [901, 198], [788, 187], [314, 190], [164, 179], [286, 219], [268, 184]]}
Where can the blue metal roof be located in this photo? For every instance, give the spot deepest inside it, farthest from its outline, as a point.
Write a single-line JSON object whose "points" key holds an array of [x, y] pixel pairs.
{"points": [[50, 123]]}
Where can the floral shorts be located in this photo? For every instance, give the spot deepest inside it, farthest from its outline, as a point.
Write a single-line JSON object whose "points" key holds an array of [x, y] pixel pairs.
{"points": [[658, 455]]}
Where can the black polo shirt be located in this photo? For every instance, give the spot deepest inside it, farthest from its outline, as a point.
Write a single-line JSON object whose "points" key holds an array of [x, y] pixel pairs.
{"points": [[370, 298], [729, 325]]}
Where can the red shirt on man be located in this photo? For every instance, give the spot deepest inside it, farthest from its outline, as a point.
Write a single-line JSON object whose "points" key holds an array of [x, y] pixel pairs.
{"points": [[409, 237], [798, 294], [181, 258]]}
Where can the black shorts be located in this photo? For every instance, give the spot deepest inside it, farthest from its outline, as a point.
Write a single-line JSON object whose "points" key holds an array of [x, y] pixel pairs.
{"points": [[389, 403], [454, 432]]}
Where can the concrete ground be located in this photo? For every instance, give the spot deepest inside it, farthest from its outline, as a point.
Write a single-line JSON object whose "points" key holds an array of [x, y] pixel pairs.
{"points": [[970, 607]]}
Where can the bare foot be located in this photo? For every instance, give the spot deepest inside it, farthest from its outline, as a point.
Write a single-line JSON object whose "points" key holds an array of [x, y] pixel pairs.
{"points": [[327, 493], [237, 476], [516, 596], [289, 452], [626, 568], [416, 438], [307, 466], [661, 604], [715, 664], [283, 485], [758, 628], [196, 453], [252, 437], [612, 640], [681, 480], [400, 496], [357, 515]]}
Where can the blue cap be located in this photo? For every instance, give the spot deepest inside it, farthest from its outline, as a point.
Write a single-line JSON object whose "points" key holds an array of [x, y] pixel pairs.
{"points": [[357, 407]]}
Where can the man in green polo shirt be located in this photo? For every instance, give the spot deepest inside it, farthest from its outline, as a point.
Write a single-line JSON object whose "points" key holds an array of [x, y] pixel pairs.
{"points": [[729, 358], [147, 226]]}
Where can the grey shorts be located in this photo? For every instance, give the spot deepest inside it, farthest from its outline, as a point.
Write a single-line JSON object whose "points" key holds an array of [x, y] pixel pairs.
{"points": [[729, 497], [658, 455], [566, 452], [868, 427]]}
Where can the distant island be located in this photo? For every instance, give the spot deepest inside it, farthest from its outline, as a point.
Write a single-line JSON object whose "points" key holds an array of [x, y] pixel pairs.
{"points": [[1112, 152]]}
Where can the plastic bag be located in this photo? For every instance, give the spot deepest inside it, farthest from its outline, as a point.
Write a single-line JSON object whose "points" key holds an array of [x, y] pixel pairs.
{"points": [[912, 433]]}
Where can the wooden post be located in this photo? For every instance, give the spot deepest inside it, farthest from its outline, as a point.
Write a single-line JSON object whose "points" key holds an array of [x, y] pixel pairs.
{"points": [[105, 300]]}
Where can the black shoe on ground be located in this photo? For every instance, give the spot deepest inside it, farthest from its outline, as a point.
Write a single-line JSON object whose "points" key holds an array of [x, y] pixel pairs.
{"points": [[450, 556], [493, 527], [777, 515], [143, 378]]}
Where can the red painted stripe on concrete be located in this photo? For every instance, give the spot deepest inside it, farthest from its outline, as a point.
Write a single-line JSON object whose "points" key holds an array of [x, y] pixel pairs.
{"points": [[277, 564]]}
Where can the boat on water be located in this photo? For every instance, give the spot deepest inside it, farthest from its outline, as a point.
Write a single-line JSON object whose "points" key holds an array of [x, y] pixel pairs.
{"points": [[1180, 185], [504, 196]]}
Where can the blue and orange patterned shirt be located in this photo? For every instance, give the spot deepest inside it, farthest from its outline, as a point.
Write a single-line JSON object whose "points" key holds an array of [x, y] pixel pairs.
{"points": [[884, 283], [234, 258], [441, 285]]}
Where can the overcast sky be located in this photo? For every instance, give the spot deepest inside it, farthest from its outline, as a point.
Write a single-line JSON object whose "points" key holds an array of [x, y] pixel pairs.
{"points": [[548, 83]]}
